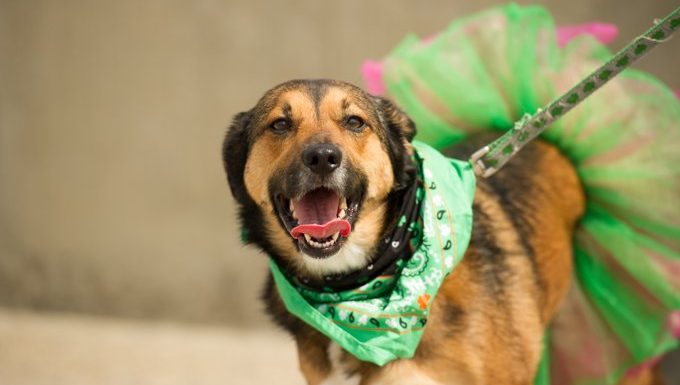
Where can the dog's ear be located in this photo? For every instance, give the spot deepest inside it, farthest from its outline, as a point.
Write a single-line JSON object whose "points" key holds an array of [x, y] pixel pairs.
{"points": [[235, 153], [395, 119], [400, 132]]}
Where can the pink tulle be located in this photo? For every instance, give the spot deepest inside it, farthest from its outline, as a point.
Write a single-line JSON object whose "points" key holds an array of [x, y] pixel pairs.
{"points": [[372, 72], [674, 323], [428, 39], [604, 33]]}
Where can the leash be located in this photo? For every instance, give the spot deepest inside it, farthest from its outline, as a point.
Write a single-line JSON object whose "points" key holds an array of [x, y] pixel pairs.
{"points": [[489, 159]]}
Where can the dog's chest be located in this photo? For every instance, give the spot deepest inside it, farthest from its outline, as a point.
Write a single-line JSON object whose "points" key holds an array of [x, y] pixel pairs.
{"points": [[341, 372], [344, 371]]}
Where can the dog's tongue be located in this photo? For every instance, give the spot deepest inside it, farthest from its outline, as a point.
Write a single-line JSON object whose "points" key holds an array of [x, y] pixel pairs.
{"points": [[317, 214], [322, 231]]}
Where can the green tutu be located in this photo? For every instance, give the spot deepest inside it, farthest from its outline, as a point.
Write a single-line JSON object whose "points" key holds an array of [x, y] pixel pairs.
{"points": [[483, 73]]}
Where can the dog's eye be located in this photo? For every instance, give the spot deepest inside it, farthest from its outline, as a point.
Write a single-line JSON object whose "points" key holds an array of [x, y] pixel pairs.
{"points": [[280, 126], [355, 123]]}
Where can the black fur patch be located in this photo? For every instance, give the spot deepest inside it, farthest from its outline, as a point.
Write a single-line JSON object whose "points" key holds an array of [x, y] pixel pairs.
{"points": [[513, 187], [488, 260], [277, 310], [235, 149], [235, 153], [399, 129], [514, 190]]}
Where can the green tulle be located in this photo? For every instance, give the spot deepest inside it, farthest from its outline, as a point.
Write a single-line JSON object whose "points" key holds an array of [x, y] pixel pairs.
{"points": [[483, 73]]}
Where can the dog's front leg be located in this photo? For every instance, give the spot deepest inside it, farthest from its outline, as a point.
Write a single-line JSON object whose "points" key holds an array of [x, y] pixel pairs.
{"points": [[323, 362], [312, 358]]}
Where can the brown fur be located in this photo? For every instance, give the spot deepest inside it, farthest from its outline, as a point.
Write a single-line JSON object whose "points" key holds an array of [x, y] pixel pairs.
{"points": [[487, 322]]}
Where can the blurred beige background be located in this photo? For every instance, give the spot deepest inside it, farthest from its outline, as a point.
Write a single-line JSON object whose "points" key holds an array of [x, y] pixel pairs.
{"points": [[113, 200]]}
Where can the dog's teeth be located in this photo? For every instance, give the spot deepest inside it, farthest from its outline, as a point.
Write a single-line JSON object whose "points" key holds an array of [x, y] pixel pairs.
{"points": [[312, 243], [319, 245], [342, 213], [292, 214], [343, 204]]}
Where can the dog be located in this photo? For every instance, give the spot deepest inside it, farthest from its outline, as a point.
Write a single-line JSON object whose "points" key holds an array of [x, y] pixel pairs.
{"points": [[331, 146]]}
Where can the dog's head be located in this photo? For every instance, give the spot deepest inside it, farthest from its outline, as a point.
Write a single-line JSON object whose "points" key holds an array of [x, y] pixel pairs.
{"points": [[315, 166]]}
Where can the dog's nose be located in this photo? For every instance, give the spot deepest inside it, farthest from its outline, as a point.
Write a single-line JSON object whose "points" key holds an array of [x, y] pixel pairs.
{"points": [[322, 158]]}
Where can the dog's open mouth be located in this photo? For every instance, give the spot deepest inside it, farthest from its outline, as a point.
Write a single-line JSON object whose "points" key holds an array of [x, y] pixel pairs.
{"points": [[320, 220]]}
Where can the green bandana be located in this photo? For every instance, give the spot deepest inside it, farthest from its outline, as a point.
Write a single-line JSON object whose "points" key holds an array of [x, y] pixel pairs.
{"points": [[384, 319]]}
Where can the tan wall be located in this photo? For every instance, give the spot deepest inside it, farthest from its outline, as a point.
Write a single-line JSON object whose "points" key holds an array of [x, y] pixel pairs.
{"points": [[112, 194]]}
